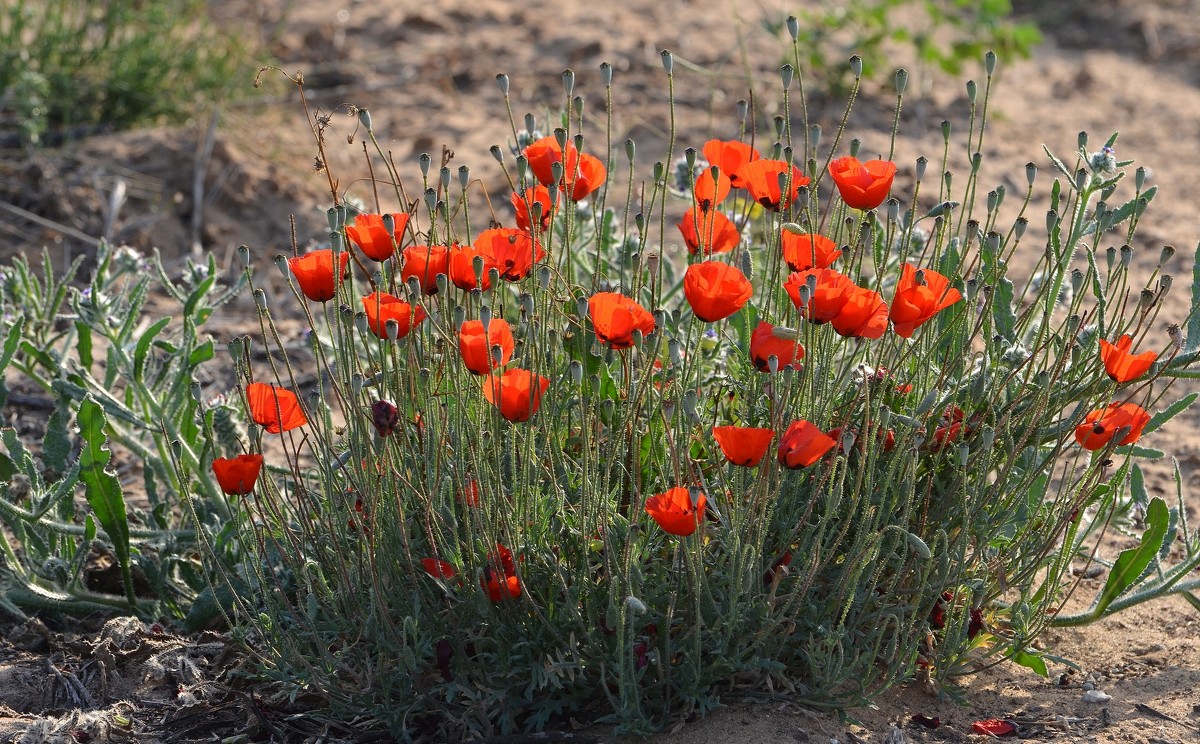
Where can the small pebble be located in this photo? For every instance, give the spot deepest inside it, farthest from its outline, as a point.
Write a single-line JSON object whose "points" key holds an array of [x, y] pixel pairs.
{"points": [[1088, 686], [1096, 696]]}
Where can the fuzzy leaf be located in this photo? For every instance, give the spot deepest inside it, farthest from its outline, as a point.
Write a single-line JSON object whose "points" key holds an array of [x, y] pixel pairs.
{"points": [[103, 489], [1193, 327], [1131, 563], [1032, 661], [1170, 412]]}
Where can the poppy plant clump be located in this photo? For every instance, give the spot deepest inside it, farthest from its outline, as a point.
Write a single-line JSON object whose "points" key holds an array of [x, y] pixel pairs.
{"points": [[749, 408]]}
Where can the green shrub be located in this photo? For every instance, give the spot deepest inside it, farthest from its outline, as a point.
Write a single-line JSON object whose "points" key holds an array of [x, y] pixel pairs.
{"points": [[68, 66], [447, 553]]}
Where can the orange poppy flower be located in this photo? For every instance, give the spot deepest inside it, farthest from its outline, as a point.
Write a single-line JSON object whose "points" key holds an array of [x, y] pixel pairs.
{"points": [[863, 315], [438, 568], [803, 444], [711, 230], [237, 475], [1120, 364], [516, 392], [523, 206], [460, 266], [499, 578], [914, 303], [675, 512], [382, 307], [709, 191], [514, 252], [615, 317], [543, 154], [368, 233], [584, 178], [743, 445], [314, 273], [762, 179], [469, 493], [804, 252], [425, 262], [767, 342], [1101, 425], [476, 349], [729, 156], [829, 295], [862, 185], [949, 429], [274, 408], [715, 290]]}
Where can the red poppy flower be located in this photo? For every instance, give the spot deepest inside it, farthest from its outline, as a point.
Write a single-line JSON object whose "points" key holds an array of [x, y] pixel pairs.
{"points": [[384, 417], [829, 295], [767, 341], [711, 231], [949, 430], [762, 179], [1120, 364], [615, 318], [369, 234], [803, 444], [438, 568], [584, 178], [916, 302], [275, 408], [425, 262], [743, 445], [514, 251], [543, 154], [1101, 425], [709, 191], [461, 266], [382, 307], [499, 578], [675, 512], [476, 348], [517, 393], [715, 290], [314, 273], [523, 206], [237, 475], [804, 252], [862, 185], [994, 727], [863, 315], [582, 173], [729, 156], [469, 493], [886, 439]]}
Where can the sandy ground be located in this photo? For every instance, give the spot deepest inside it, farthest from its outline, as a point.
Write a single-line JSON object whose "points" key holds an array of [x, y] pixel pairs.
{"points": [[427, 73]]}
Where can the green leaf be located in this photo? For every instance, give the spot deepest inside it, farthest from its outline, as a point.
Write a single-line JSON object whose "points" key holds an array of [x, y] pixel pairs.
{"points": [[56, 446], [84, 344], [143, 346], [1003, 314], [10, 348], [102, 488], [1132, 562], [1193, 325], [1137, 487], [201, 353], [1170, 412], [1032, 661], [1126, 210], [1132, 450]]}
